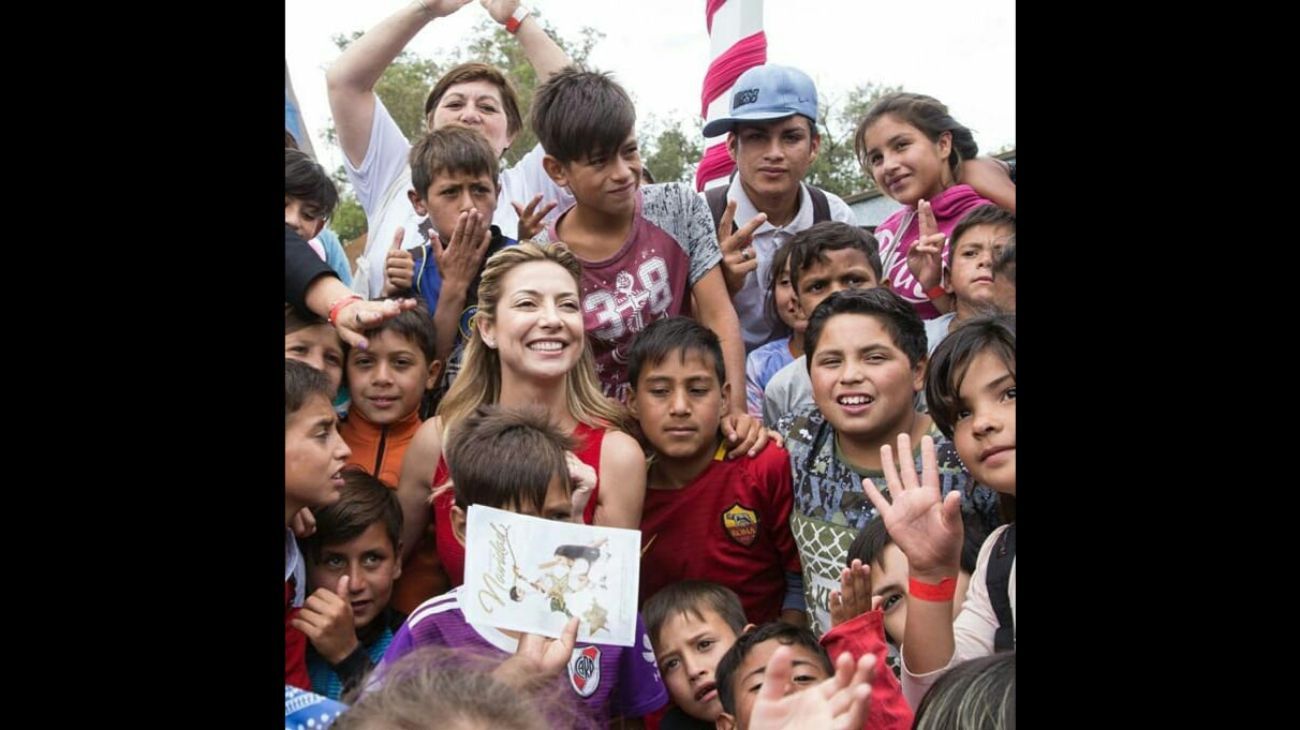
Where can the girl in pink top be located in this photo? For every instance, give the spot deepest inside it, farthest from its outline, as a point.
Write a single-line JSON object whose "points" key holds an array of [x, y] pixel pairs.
{"points": [[913, 149]]}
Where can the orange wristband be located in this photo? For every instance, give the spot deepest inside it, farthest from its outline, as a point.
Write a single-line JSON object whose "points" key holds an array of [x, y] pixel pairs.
{"points": [[340, 304]]}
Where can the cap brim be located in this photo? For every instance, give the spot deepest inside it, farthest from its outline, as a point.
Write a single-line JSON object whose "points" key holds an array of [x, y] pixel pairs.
{"points": [[724, 125]]}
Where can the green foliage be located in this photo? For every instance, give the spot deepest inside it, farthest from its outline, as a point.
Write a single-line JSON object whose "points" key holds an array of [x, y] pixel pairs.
{"points": [[836, 168], [671, 149]]}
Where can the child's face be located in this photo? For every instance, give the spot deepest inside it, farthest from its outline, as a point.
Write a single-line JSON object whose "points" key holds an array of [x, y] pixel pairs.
{"points": [[388, 379], [862, 382], [971, 276], [787, 303], [537, 329], [889, 574], [370, 562], [606, 183], [688, 651], [679, 404], [847, 268], [773, 158], [477, 105], [557, 507], [453, 193], [320, 347], [905, 164], [985, 431], [808, 671], [303, 217], [314, 454]]}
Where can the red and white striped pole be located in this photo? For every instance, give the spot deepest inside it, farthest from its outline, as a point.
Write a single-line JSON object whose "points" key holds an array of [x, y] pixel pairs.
{"points": [[736, 44]]}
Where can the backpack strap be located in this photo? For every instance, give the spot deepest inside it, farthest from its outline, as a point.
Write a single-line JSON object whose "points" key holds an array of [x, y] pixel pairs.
{"points": [[821, 205], [717, 200], [998, 580]]}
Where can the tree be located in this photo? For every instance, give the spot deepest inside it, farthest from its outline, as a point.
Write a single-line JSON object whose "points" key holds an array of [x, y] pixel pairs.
{"points": [[837, 169], [671, 149]]}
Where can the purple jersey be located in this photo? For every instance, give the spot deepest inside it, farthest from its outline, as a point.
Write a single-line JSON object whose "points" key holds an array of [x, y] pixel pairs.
{"points": [[611, 681]]}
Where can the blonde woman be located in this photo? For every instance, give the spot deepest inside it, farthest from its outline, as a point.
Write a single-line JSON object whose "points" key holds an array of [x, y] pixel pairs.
{"points": [[527, 347]]}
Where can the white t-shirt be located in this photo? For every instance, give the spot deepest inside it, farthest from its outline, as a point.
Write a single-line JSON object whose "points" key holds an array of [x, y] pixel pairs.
{"points": [[751, 300], [935, 330], [788, 391], [384, 177]]}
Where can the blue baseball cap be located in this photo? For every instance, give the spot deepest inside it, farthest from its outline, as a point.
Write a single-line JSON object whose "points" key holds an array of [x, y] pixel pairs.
{"points": [[767, 92]]}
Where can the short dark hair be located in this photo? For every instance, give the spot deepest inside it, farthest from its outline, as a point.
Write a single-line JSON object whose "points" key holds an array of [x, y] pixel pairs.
{"points": [[980, 215], [979, 694], [870, 542], [673, 334], [364, 500], [812, 243], [579, 114], [692, 598], [953, 356], [290, 142], [416, 326], [452, 149], [301, 382], [506, 457], [1006, 263], [307, 181], [475, 71], [894, 313], [787, 634], [295, 320]]}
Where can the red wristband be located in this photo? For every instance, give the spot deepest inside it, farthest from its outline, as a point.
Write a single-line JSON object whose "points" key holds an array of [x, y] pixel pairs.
{"points": [[944, 591], [517, 19], [340, 304], [935, 292]]}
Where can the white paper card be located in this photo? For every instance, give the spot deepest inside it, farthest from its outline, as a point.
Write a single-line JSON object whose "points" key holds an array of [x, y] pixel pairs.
{"points": [[529, 574]]}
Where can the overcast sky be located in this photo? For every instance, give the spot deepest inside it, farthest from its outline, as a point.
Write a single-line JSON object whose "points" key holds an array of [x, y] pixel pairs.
{"points": [[959, 51]]}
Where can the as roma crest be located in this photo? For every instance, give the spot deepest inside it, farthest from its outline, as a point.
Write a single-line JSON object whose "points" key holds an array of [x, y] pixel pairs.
{"points": [[741, 524], [584, 670]]}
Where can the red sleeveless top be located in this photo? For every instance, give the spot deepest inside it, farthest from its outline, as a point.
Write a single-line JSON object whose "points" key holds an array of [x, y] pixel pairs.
{"points": [[452, 552]]}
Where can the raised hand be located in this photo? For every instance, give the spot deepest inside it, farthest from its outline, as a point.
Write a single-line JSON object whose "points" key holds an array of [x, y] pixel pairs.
{"points": [[359, 315], [463, 256], [925, 257], [925, 526], [304, 523], [326, 619], [500, 10], [584, 483], [443, 8], [399, 267], [838, 703], [854, 596], [745, 435], [530, 217], [738, 256], [538, 658]]}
